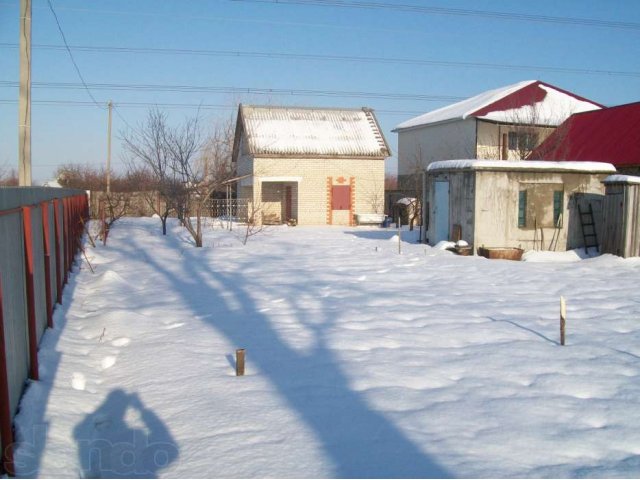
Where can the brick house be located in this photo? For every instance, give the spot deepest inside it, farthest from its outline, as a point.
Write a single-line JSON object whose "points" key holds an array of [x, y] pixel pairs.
{"points": [[316, 166]]}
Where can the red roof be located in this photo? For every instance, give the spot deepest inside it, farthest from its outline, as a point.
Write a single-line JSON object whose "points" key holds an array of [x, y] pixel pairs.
{"points": [[609, 135], [527, 95]]}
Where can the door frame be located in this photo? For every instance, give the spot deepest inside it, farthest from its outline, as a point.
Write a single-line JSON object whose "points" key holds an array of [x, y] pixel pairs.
{"points": [[441, 211]]}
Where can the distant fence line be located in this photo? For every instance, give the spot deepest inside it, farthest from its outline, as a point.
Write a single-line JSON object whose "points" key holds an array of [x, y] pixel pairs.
{"points": [[40, 233], [145, 204]]}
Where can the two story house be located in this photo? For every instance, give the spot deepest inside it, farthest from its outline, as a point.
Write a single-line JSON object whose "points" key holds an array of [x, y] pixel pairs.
{"points": [[502, 124]]}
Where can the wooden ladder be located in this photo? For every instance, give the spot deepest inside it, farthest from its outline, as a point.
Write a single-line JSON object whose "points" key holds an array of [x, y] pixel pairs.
{"points": [[588, 228]]}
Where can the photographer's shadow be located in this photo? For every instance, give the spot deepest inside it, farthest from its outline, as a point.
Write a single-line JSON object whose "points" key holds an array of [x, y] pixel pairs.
{"points": [[123, 439]]}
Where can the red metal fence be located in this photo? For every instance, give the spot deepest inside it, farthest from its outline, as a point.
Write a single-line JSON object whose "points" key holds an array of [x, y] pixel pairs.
{"points": [[48, 255]]}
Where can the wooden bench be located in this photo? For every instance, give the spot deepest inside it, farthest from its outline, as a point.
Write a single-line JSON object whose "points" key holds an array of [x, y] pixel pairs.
{"points": [[369, 218]]}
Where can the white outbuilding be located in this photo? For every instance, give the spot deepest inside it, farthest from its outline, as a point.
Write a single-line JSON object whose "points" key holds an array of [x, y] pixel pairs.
{"points": [[533, 205]]}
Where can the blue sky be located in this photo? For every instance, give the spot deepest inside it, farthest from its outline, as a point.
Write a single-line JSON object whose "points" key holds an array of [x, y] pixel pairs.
{"points": [[71, 132]]}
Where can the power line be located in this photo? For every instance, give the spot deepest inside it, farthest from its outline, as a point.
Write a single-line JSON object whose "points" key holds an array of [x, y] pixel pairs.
{"points": [[337, 58], [239, 90], [121, 117], [75, 103], [129, 13], [586, 22], [75, 65]]}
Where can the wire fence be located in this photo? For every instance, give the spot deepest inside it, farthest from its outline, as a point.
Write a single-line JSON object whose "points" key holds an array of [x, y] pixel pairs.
{"points": [[233, 210]]}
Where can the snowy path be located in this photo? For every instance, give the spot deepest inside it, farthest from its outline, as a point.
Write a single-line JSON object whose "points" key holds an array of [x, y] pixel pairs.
{"points": [[360, 362]]}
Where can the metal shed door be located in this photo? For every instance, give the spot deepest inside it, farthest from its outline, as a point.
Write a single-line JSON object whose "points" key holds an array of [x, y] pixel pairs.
{"points": [[441, 211]]}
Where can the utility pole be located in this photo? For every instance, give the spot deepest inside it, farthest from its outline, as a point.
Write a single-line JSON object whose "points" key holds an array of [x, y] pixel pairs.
{"points": [[24, 100], [110, 105]]}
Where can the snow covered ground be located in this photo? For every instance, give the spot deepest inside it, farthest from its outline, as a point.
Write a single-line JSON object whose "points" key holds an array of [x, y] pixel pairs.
{"points": [[360, 362]]}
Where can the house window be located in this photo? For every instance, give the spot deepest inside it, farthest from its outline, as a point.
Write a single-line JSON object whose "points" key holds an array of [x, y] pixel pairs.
{"points": [[522, 208], [513, 140], [522, 140], [558, 201], [528, 141]]}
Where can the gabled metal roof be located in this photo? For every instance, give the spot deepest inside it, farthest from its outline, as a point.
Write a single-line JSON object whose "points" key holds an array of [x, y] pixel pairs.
{"points": [[311, 132], [531, 101]]}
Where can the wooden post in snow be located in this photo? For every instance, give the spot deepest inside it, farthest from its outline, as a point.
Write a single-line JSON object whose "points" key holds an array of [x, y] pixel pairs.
{"points": [[563, 319], [239, 362], [399, 235]]}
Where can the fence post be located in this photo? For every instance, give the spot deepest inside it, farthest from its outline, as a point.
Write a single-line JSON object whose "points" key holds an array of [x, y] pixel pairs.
{"points": [[563, 319], [56, 221], [240, 362], [6, 432], [31, 306], [65, 236], [44, 207]]}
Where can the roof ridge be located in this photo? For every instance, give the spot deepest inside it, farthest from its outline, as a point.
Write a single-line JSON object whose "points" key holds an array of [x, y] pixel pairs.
{"points": [[294, 107]]}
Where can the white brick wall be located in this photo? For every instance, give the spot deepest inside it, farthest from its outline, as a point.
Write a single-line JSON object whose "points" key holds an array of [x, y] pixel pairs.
{"points": [[312, 188]]}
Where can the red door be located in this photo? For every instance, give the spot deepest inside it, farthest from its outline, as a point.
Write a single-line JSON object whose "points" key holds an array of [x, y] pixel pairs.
{"points": [[341, 197]]}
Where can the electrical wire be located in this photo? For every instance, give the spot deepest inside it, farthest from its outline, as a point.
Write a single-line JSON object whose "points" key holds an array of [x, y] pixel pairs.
{"points": [[75, 65], [336, 58], [238, 90], [586, 22], [75, 103]]}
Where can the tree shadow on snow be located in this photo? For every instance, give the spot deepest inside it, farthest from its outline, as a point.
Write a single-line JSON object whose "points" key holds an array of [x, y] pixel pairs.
{"points": [[123, 439], [358, 440], [409, 236], [527, 329]]}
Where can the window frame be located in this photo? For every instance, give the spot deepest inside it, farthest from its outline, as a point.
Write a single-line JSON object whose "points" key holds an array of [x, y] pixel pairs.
{"points": [[522, 208], [558, 208]]}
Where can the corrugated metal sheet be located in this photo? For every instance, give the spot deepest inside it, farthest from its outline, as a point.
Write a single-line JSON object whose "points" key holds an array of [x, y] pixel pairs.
{"points": [[295, 131], [609, 135]]}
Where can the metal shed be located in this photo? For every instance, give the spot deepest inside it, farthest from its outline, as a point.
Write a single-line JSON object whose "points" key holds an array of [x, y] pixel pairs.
{"points": [[521, 204], [621, 216]]}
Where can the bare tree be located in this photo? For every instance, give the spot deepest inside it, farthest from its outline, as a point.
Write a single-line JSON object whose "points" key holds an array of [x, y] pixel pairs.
{"points": [[8, 177], [554, 147], [185, 166], [390, 181], [412, 188], [254, 221], [217, 153], [94, 178], [526, 130], [183, 144], [113, 207], [150, 152]]}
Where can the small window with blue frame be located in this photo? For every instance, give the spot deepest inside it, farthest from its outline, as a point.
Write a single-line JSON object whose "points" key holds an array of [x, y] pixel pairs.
{"points": [[522, 209], [558, 203]]}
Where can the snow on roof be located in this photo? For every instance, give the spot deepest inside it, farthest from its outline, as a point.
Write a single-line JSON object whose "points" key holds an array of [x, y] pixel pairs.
{"points": [[51, 183], [525, 165], [622, 179], [297, 131], [530, 102]]}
